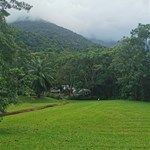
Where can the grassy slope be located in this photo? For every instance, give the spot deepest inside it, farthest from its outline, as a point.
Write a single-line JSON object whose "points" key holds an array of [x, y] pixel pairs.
{"points": [[30, 102], [88, 125]]}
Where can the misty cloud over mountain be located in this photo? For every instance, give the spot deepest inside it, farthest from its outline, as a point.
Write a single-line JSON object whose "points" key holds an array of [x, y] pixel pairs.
{"points": [[98, 19]]}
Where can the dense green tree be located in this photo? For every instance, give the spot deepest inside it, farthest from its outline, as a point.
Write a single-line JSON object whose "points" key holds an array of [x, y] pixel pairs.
{"points": [[85, 70], [141, 36], [41, 71], [8, 54], [131, 61]]}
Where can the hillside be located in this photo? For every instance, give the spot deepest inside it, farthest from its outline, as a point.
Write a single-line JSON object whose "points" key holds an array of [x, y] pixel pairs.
{"points": [[42, 35], [106, 43]]}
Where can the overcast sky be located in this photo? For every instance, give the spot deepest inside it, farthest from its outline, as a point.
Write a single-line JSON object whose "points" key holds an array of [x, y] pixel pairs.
{"points": [[101, 19]]}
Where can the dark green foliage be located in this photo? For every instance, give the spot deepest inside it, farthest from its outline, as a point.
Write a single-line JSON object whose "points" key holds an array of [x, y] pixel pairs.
{"points": [[40, 70], [131, 63], [5, 4], [90, 70], [7, 63], [42, 35], [10, 74]]}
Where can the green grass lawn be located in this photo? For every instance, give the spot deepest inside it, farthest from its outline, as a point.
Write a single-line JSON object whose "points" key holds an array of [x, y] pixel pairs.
{"points": [[79, 125]]}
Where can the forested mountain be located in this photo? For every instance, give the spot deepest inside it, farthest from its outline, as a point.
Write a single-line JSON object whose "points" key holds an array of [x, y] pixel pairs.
{"points": [[106, 43], [42, 35]]}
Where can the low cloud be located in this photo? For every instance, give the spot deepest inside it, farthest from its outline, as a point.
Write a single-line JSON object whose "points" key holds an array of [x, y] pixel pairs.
{"points": [[101, 19]]}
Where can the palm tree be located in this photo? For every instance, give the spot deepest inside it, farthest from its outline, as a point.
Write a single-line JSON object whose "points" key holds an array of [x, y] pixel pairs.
{"points": [[42, 80]]}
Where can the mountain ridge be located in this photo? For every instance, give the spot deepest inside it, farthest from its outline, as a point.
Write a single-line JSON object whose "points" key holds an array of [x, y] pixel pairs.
{"points": [[40, 35], [105, 43]]}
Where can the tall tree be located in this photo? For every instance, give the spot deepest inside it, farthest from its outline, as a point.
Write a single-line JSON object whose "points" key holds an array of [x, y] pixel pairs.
{"points": [[131, 64], [41, 70], [8, 49]]}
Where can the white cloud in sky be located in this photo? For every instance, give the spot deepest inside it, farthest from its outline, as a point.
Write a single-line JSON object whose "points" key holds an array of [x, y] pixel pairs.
{"points": [[102, 19]]}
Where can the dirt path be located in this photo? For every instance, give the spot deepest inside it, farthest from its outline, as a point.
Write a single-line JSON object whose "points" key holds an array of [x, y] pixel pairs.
{"points": [[29, 110]]}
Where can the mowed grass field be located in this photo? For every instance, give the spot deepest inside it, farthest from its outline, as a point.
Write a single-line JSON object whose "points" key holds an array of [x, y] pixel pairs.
{"points": [[78, 125]]}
